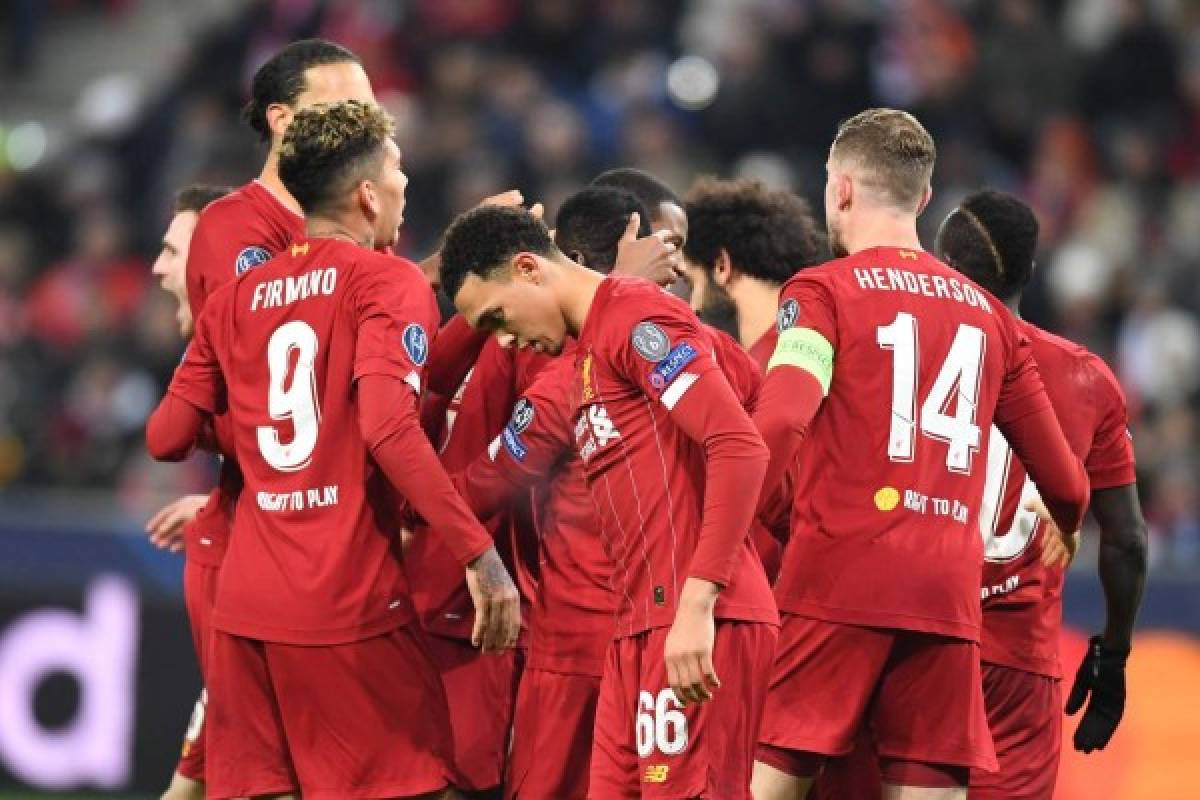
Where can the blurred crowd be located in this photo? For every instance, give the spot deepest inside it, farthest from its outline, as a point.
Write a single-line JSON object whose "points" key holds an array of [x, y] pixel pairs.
{"points": [[1090, 111]]}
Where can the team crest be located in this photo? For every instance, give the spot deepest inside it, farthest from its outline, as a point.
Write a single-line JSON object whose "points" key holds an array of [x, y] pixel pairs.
{"points": [[416, 344], [789, 312], [522, 415], [250, 258], [650, 341]]}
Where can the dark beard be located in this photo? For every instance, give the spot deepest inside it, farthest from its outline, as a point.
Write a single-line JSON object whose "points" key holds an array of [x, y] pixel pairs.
{"points": [[719, 310]]}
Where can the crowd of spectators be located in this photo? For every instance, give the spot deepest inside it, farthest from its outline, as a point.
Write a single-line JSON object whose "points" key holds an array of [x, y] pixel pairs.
{"points": [[1090, 111]]}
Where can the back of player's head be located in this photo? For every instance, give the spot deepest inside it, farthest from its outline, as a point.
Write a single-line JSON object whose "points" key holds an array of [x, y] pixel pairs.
{"points": [[281, 79], [892, 151], [483, 242], [769, 235], [328, 149], [641, 184], [590, 224], [991, 238], [197, 196]]}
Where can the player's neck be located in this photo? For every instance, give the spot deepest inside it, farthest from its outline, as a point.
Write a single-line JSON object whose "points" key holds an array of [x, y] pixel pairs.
{"points": [[269, 177], [757, 305], [882, 229], [328, 228], [577, 289]]}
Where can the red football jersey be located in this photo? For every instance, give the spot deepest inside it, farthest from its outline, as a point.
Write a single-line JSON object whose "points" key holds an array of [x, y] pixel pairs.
{"points": [[474, 416], [312, 561], [573, 609], [917, 360], [242, 230], [640, 351], [234, 233], [1022, 599]]}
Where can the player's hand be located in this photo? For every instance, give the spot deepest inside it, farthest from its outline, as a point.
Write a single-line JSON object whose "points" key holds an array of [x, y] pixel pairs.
{"points": [[1102, 676], [165, 528], [1058, 549], [651, 257], [497, 603], [512, 197], [689, 649]]}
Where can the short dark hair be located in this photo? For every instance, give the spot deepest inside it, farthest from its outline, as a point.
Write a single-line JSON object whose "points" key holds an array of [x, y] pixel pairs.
{"points": [[641, 184], [329, 148], [592, 221], [484, 240], [769, 235], [281, 79], [894, 147], [991, 238], [197, 197]]}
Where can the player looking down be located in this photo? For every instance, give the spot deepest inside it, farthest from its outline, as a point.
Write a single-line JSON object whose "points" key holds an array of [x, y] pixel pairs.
{"points": [[670, 458]]}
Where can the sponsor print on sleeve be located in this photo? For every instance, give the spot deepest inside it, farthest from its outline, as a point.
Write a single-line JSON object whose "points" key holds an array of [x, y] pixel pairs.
{"points": [[522, 417]]}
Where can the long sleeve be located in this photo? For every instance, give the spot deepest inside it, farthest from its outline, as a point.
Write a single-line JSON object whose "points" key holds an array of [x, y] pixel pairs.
{"points": [[174, 429], [735, 461], [789, 400], [389, 424], [454, 352]]}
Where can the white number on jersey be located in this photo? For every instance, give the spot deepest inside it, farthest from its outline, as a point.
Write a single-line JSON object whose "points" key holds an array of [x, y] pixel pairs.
{"points": [[996, 547], [957, 384], [659, 725], [295, 400]]}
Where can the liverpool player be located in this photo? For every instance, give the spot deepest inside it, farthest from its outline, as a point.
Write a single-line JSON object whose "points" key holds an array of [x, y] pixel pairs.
{"points": [[893, 367], [667, 216], [991, 238], [167, 527], [744, 242], [670, 458], [318, 356]]}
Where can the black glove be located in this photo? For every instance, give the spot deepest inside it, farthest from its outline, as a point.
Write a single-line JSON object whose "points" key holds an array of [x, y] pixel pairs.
{"points": [[1102, 673]]}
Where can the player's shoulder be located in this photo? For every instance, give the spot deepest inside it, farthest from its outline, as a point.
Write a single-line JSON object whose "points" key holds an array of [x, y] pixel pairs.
{"points": [[1060, 358]]}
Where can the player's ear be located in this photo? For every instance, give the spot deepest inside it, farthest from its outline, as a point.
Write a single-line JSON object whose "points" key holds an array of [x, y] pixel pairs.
{"points": [[926, 196], [722, 268], [279, 116], [845, 191], [368, 198], [526, 267]]}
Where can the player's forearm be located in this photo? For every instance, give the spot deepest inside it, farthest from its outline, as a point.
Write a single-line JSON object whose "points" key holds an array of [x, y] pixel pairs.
{"points": [[389, 425], [787, 404], [453, 353], [735, 461], [1061, 480], [486, 488], [173, 429], [1122, 561]]}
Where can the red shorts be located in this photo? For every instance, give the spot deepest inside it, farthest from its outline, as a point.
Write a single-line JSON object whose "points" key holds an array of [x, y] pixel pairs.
{"points": [[552, 736], [191, 758], [199, 595], [1025, 714], [920, 694], [360, 720], [481, 690], [647, 746]]}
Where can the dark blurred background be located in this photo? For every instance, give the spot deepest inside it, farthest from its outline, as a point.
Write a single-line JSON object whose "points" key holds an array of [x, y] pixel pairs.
{"points": [[1089, 109]]}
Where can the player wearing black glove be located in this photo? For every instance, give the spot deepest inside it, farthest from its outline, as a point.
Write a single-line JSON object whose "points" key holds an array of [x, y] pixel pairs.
{"points": [[1101, 675]]}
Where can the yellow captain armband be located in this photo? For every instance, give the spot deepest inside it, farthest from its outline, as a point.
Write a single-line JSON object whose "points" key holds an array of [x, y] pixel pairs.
{"points": [[807, 349]]}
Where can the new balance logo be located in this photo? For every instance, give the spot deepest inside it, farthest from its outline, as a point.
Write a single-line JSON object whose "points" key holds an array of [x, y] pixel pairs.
{"points": [[656, 773]]}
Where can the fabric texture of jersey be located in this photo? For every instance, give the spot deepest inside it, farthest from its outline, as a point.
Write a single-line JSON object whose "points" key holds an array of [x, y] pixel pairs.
{"points": [[315, 559], [1022, 598], [884, 529], [639, 352]]}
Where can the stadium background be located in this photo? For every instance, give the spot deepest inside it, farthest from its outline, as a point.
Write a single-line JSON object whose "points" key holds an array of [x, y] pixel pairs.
{"points": [[1089, 109]]}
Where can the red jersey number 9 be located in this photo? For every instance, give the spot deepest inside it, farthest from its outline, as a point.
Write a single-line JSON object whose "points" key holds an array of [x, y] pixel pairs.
{"points": [[294, 400], [957, 384]]}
